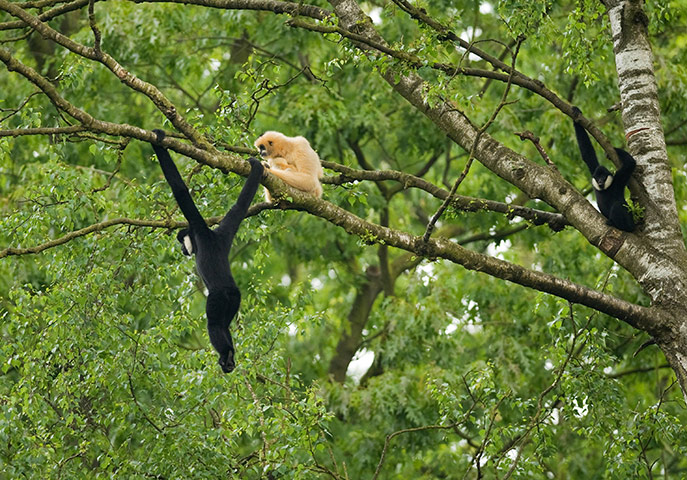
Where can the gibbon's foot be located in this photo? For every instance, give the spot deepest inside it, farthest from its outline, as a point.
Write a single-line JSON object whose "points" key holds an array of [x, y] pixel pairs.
{"points": [[266, 164], [227, 363]]}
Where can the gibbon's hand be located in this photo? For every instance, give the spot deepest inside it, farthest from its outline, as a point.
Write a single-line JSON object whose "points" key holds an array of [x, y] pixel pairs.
{"points": [[160, 135], [577, 113], [254, 162]]}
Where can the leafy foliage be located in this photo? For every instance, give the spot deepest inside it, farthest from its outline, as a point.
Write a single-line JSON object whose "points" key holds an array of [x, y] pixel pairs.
{"points": [[105, 365]]}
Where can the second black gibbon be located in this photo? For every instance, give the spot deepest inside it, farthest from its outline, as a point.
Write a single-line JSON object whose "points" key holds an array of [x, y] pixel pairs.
{"points": [[609, 188], [211, 248]]}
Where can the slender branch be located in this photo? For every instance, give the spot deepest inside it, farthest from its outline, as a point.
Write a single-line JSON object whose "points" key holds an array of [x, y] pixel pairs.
{"points": [[152, 92], [261, 419], [437, 215], [213, 159], [140, 408], [632, 371], [96, 227], [97, 36], [556, 221], [534, 421], [527, 135], [46, 16], [408, 430], [276, 6], [18, 132], [14, 111], [477, 458]]}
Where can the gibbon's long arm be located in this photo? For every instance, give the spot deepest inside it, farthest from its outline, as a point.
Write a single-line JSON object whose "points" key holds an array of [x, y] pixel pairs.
{"points": [[230, 223], [586, 148], [623, 175], [179, 189]]}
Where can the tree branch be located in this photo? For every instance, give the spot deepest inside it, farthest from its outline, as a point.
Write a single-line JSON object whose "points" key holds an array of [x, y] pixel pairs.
{"points": [[511, 75], [96, 227], [214, 159], [635, 254], [46, 16], [152, 92], [276, 6], [555, 221], [536, 180], [18, 132]]}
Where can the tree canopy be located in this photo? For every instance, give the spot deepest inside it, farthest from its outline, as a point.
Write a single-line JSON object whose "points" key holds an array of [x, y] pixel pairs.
{"points": [[453, 307]]}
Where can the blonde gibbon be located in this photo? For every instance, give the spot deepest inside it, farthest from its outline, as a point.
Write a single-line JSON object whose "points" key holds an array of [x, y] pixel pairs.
{"points": [[293, 160]]}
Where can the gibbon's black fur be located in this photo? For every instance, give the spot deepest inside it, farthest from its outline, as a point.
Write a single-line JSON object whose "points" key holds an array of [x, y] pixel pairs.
{"points": [[609, 188], [211, 248]]}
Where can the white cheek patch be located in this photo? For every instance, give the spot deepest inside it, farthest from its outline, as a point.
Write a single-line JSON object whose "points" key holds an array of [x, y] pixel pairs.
{"points": [[188, 245], [607, 183]]}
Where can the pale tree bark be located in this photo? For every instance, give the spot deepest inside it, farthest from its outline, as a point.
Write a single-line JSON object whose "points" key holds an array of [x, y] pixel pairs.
{"points": [[642, 120]]}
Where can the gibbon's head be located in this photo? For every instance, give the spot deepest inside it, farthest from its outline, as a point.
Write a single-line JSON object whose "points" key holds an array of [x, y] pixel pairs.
{"points": [[184, 237], [272, 144], [602, 179]]}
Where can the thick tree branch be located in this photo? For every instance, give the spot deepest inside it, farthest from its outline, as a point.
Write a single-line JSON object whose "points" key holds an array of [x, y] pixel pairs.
{"points": [[640, 317], [638, 256]]}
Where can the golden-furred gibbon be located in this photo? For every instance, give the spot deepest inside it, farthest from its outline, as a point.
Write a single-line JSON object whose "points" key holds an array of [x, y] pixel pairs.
{"points": [[293, 160]]}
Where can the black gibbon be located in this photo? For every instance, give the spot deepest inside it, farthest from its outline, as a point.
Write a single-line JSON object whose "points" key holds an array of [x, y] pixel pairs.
{"points": [[293, 160], [609, 188], [211, 248]]}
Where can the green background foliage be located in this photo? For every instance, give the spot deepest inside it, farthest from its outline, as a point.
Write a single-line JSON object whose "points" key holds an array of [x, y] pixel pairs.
{"points": [[105, 366]]}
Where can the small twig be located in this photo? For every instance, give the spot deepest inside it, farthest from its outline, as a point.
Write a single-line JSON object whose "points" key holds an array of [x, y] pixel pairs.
{"points": [[261, 419], [480, 132], [120, 154], [14, 111], [408, 430], [534, 421], [480, 451], [140, 408], [632, 371], [527, 135], [94, 27]]}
